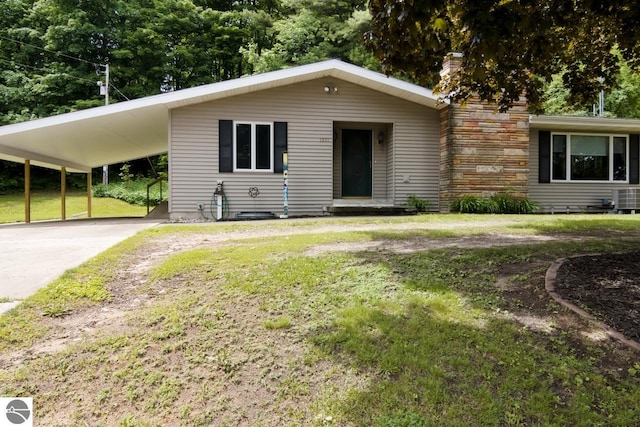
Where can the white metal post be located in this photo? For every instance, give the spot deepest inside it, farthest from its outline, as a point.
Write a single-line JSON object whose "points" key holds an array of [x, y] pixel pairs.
{"points": [[105, 168]]}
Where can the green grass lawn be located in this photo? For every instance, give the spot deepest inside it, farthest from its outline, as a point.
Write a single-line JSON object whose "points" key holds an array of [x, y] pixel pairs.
{"points": [[48, 205], [324, 328]]}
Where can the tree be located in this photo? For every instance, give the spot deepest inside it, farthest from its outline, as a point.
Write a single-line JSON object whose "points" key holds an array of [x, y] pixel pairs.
{"points": [[510, 47], [52, 52], [622, 101], [315, 30]]}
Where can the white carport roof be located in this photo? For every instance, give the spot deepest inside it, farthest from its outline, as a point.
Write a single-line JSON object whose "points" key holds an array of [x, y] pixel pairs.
{"points": [[130, 130]]}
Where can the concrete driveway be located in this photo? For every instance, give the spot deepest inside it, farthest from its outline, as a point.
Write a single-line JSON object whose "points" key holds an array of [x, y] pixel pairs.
{"points": [[32, 255]]}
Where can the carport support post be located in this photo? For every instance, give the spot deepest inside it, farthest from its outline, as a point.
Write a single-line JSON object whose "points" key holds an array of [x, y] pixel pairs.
{"points": [[89, 194], [63, 191], [27, 191]]}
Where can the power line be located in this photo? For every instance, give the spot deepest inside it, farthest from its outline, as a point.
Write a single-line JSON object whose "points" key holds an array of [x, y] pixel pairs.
{"points": [[50, 70], [118, 90], [52, 52], [14, 63]]}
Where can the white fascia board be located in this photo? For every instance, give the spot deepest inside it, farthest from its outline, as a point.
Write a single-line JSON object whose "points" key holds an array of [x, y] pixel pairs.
{"points": [[123, 122], [77, 116], [331, 68], [18, 156], [582, 123], [388, 85]]}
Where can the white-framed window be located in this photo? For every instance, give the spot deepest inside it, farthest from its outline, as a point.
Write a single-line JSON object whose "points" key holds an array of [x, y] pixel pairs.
{"points": [[587, 157], [253, 146]]}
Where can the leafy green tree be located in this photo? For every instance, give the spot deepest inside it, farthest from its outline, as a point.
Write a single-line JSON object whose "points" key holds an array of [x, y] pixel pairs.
{"points": [[623, 100], [19, 57], [556, 100], [52, 52], [510, 47], [315, 30]]}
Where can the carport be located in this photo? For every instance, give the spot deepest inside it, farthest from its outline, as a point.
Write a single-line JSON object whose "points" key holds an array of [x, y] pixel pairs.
{"points": [[80, 141], [87, 139]]}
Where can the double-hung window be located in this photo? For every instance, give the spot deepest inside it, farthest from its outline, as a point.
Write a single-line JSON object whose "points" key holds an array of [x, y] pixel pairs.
{"points": [[253, 146], [580, 157]]}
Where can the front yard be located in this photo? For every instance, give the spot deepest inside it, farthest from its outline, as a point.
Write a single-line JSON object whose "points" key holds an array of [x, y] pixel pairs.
{"points": [[415, 321]]}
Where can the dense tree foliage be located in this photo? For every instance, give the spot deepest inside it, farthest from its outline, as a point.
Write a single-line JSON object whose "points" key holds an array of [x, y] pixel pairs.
{"points": [[53, 52], [510, 47], [312, 30], [559, 53], [623, 100]]}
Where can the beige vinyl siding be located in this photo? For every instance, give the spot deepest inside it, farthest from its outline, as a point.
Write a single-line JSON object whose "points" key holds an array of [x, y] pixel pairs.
{"points": [[337, 168], [557, 196], [192, 152], [379, 164], [417, 159], [310, 114]]}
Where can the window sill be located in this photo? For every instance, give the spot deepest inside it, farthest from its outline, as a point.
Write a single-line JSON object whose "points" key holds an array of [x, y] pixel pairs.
{"points": [[587, 182]]}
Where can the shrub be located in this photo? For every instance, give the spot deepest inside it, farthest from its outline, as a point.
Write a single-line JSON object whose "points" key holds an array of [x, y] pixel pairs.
{"points": [[133, 192], [466, 204], [500, 203], [420, 205], [9, 185]]}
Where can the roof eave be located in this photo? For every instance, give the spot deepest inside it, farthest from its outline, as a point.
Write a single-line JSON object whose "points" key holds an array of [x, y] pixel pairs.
{"points": [[583, 123], [332, 68], [19, 156]]}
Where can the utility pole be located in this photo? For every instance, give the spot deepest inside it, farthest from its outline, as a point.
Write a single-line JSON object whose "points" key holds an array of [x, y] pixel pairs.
{"points": [[600, 111], [104, 90]]}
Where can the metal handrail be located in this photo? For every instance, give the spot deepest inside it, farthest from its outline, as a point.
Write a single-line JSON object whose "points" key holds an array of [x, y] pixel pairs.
{"points": [[151, 184]]}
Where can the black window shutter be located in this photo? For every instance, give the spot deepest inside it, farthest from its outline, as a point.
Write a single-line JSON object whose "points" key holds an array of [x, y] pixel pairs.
{"points": [[279, 145], [544, 156], [225, 154], [634, 158]]}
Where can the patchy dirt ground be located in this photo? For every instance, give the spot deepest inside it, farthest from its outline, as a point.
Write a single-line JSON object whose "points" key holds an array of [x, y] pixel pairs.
{"points": [[607, 286]]}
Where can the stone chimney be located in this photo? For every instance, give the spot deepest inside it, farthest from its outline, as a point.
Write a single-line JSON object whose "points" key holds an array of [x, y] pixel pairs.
{"points": [[452, 63], [482, 152]]}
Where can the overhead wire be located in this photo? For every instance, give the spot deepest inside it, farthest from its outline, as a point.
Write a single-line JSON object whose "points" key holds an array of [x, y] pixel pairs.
{"points": [[14, 63], [11, 62], [63, 55], [111, 85], [51, 51], [95, 64]]}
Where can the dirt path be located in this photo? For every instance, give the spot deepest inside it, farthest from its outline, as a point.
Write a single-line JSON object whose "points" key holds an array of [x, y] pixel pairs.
{"points": [[236, 367], [130, 290]]}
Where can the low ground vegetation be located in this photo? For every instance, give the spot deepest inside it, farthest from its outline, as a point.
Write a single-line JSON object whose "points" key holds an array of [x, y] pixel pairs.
{"points": [[133, 191], [47, 206], [500, 203], [420, 321]]}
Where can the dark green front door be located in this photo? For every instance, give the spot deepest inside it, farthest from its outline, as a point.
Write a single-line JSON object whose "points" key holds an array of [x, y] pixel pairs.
{"points": [[356, 163]]}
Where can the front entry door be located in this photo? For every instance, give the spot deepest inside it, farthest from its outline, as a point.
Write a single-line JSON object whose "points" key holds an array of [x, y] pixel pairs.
{"points": [[356, 163]]}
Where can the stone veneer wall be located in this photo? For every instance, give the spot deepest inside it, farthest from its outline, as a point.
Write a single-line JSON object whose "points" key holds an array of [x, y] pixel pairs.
{"points": [[482, 152]]}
